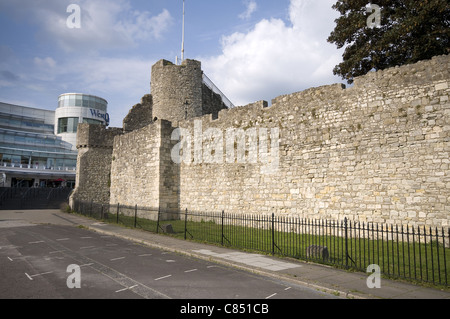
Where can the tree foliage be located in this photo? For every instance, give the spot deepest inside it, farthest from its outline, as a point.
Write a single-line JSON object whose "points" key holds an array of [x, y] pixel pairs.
{"points": [[409, 31]]}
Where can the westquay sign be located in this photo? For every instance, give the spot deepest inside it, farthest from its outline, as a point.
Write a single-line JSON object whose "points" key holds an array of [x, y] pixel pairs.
{"points": [[100, 115]]}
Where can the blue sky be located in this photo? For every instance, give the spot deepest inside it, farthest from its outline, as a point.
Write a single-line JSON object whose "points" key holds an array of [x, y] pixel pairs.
{"points": [[251, 49]]}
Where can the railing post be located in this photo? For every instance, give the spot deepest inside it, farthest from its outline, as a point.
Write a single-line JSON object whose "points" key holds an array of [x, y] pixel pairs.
{"points": [[346, 242], [157, 223], [273, 234], [185, 223], [223, 212]]}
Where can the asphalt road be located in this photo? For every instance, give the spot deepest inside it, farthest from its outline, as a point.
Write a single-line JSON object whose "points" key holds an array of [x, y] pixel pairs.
{"points": [[35, 262]]}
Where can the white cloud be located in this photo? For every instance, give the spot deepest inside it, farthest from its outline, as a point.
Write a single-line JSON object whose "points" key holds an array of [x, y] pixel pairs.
{"points": [[105, 24], [144, 26], [276, 57], [251, 6]]}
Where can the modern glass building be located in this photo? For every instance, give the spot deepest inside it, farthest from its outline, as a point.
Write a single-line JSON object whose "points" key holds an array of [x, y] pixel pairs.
{"points": [[74, 108], [38, 147]]}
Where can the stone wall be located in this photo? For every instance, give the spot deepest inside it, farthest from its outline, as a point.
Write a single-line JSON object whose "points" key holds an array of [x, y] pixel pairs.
{"points": [[212, 102], [140, 115], [142, 172], [377, 151], [95, 146]]}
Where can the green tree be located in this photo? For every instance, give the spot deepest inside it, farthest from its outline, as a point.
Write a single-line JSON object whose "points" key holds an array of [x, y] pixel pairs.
{"points": [[409, 31]]}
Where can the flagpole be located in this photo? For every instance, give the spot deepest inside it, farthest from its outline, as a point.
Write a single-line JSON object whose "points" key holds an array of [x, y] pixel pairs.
{"points": [[182, 40]]}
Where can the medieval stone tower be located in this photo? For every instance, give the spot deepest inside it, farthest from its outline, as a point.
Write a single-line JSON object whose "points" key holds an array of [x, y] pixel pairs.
{"points": [[177, 90]]}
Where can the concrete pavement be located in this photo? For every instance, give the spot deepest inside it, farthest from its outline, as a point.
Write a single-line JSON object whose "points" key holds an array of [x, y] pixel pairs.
{"points": [[323, 278]]}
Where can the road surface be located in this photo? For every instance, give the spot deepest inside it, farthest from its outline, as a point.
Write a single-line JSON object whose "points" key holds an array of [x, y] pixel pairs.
{"points": [[61, 261]]}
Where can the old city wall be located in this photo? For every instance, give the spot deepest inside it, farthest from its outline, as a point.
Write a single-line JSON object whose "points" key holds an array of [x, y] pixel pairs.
{"points": [[141, 172], [140, 115], [95, 146], [378, 151]]}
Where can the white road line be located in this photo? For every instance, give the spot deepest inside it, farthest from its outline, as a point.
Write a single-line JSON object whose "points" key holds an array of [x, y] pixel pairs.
{"points": [[192, 270], [10, 247], [86, 265], [271, 296], [129, 288], [44, 273], [36, 242], [88, 247], [50, 258], [163, 277], [287, 288], [145, 255], [10, 259], [86, 237], [63, 239], [119, 258], [121, 290], [56, 251]]}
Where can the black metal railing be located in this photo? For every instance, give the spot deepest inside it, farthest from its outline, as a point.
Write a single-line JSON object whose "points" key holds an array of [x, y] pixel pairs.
{"points": [[416, 253]]}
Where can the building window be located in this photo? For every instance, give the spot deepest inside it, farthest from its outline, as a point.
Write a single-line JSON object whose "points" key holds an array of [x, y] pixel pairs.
{"points": [[62, 125], [92, 121], [67, 125]]}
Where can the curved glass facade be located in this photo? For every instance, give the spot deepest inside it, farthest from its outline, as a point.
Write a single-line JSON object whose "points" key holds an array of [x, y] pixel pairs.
{"points": [[75, 108], [82, 100]]}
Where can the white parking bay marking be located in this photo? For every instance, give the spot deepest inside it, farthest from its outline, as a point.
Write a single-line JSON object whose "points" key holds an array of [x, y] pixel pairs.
{"points": [[161, 278], [36, 242], [128, 288], [44, 273], [192, 270]]}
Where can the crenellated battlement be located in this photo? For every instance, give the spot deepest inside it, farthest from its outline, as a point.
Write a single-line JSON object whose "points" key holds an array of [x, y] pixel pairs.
{"points": [[94, 135]]}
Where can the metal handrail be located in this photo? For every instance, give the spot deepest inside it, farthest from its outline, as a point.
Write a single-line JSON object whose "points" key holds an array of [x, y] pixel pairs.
{"points": [[210, 84]]}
